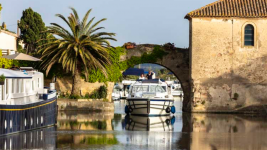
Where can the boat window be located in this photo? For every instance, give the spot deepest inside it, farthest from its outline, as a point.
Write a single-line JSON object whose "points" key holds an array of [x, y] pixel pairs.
{"points": [[18, 85], [32, 85], [3, 91], [7, 82], [140, 88], [13, 85], [10, 124], [156, 88], [38, 82], [22, 86]]}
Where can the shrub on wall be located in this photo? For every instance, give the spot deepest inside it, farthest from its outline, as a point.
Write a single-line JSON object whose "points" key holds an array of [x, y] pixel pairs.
{"points": [[6, 62], [101, 93]]}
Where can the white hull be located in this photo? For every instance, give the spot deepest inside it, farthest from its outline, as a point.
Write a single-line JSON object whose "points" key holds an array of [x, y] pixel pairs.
{"points": [[149, 107]]}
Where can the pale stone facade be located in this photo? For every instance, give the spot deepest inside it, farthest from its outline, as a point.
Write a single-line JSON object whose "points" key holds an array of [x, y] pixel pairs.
{"points": [[226, 75], [8, 42]]}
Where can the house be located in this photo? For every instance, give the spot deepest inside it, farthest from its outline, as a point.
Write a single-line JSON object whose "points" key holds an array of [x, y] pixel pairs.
{"points": [[228, 55], [8, 42]]}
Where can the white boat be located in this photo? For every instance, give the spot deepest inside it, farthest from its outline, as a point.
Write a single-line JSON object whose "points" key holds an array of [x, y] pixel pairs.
{"points": [[24, 102], [149, 98], [116, 93], [141, 123], [125, 88], [176, 90]]}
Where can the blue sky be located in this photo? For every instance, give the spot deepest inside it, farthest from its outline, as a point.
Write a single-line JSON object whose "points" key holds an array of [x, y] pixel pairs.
{"points": [[140, 21]]}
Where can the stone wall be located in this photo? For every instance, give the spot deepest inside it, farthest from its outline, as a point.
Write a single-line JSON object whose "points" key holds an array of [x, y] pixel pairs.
{"points": [[65, 85], [84, 105], [226, 75]]}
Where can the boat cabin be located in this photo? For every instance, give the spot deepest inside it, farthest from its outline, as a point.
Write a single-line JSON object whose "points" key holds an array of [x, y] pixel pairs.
{"points": [[21, 86], [149, 88]]}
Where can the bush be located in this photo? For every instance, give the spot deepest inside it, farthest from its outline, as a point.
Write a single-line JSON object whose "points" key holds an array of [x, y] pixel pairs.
{"points": [[2, 78], [101, 93]]}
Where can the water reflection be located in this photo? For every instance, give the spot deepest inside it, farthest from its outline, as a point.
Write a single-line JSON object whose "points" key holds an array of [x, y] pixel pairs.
{"points": [[87, 130], [139, 123], [213, 131], [35, 139]]}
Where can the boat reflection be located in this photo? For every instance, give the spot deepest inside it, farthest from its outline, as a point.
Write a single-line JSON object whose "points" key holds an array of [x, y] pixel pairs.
{"points": [[35, 139], [140, 123]]}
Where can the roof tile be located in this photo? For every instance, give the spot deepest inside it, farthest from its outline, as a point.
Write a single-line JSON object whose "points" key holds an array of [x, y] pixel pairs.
{"points": [[232, 8]]}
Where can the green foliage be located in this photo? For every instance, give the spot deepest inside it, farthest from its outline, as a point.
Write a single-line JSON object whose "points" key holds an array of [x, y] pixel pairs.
{"points": [[115, 70], [99, 124], [156, 54], [236, 95], [1, 7], [2, 78], [6, 62], [79, 48], [99, 141], [101, 93], [32, 30]]}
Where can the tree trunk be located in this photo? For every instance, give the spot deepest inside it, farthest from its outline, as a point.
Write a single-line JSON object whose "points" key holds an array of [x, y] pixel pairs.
{"points": [[76, 84]]}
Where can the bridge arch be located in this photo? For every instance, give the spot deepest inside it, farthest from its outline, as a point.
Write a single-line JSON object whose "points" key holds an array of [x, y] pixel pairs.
{"points": [[176, 60]]}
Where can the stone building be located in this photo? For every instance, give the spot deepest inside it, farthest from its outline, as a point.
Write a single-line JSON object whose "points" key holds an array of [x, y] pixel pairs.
{"points": [[228, 55]]}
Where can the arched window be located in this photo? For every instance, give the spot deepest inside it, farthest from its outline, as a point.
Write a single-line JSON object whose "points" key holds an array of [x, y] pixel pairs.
{"points": [[249, 35]]}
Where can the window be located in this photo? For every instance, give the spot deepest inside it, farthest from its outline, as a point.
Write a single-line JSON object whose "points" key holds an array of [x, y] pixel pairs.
{"points": [[18, 85], [249, 35], [32, 85], [7, 86], [13, 86], [140, 88], [156, 88], [22, 86]]}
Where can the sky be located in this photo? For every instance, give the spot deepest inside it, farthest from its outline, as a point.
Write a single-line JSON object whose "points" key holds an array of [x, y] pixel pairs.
{"points": [[139, 21]]}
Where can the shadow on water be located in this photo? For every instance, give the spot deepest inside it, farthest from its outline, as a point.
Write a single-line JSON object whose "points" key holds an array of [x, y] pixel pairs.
{"points": [[84, 130]]}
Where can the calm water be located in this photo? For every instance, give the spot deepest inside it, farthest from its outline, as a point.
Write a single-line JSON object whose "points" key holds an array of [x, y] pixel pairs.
{"points": [[115, 131]]}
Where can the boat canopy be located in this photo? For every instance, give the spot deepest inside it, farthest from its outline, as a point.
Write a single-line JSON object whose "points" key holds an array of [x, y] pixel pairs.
{"points": [[133, 71], [152, 81], [13, 74]]}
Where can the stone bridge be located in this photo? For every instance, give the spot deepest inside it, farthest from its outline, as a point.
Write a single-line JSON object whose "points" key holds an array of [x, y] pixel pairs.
{"points": [[176, 60]]}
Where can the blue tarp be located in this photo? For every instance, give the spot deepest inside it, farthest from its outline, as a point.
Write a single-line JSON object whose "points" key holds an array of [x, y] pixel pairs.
{"points": [[133, 71]]}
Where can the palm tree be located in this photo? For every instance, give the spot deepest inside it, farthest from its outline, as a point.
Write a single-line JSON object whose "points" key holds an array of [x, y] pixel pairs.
{"points": [[78, 49]]}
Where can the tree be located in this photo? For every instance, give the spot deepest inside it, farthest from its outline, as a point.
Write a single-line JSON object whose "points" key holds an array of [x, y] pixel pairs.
{"points": [[32, 30], [81, 48]]}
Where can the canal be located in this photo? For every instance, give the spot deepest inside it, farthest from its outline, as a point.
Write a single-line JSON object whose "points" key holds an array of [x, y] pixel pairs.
{"points": [[115, 131]]}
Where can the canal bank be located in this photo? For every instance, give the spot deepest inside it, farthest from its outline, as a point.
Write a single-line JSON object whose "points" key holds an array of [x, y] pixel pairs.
{"points": [[98, 105]]}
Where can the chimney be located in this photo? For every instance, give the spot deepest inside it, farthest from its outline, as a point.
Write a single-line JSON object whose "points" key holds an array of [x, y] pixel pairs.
{"points": [[18, 31]]}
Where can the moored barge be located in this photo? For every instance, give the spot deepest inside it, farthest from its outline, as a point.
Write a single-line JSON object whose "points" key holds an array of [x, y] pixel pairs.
{"points": [[24, 102]]}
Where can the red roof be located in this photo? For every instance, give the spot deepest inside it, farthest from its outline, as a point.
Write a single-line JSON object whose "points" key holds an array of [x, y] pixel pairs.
{"points": [[232, 8]]}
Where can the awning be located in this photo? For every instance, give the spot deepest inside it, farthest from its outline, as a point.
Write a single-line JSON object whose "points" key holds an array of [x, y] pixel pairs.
{"points": [[21, 56], [133, 71]]}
